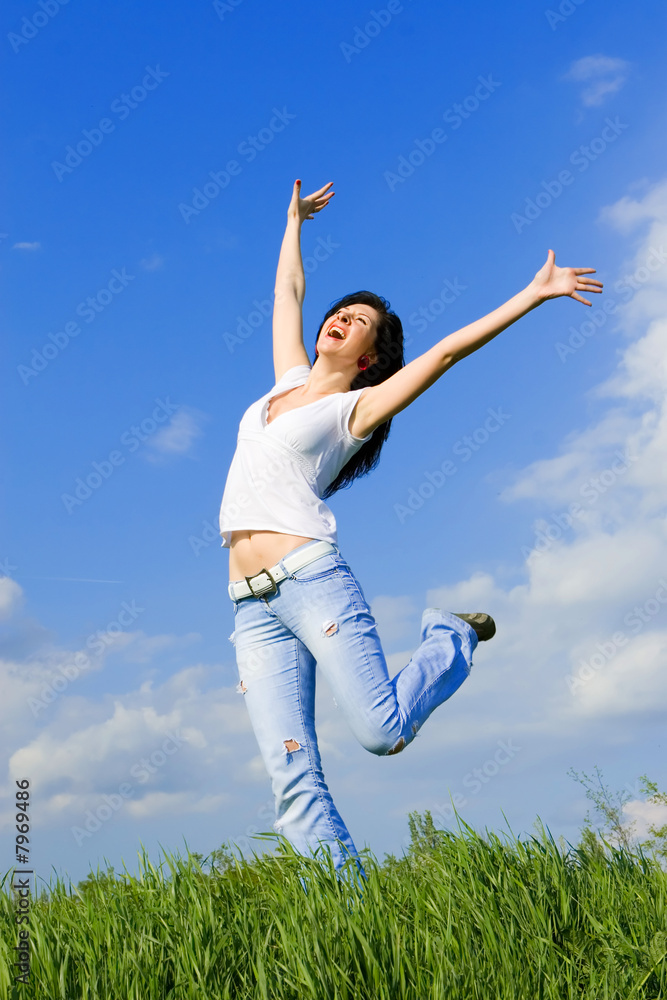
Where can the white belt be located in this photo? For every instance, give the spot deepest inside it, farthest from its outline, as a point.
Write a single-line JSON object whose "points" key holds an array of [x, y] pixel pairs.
{"points": [[266, 579]]}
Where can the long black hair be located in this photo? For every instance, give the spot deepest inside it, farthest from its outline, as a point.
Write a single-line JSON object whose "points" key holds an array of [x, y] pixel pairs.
{"points": [[389, 350]]}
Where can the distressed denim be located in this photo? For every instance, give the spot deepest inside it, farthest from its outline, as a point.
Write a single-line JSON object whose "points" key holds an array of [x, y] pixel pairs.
{"points": [[320, 618]]}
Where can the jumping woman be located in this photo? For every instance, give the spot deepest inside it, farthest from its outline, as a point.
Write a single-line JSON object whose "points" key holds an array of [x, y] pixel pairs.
{"points": [[297, 604]]}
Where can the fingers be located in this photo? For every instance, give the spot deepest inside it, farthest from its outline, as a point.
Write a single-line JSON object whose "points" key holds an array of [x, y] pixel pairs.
{"points": [[318, 208], [321, 191], [319, 194], [588, 282], [317, 204]]}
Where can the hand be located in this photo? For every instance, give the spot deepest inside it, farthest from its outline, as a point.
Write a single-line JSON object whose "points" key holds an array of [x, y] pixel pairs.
{"points": [[304, 208], [550, 281]]}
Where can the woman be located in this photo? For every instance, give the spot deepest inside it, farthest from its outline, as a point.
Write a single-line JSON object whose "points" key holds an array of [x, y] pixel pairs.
{"points": [[296, 601]]}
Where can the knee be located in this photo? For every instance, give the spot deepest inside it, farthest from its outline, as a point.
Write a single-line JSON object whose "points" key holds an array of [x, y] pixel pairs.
{"points": [[400, 745], [383, 745]]}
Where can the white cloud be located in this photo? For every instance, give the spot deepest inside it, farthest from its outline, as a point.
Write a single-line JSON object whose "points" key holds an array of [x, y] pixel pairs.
{"points": [[80, 758], [588, 469], [627, 213], [396, 617], [153, 263], [606, 73], [596, 93], [590, 67], [644, 815], [11, 596], [137, 647], [173, 744], [48, 679], [175, 804], [621, 673], [178, 437], [27, 246]]}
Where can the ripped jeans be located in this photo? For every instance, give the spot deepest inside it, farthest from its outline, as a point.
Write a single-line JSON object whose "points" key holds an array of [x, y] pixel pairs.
{"points": [[319, 617]]}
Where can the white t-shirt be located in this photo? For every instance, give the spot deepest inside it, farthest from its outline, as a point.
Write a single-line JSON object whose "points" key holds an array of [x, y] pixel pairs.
{"points": [[280, 470]]}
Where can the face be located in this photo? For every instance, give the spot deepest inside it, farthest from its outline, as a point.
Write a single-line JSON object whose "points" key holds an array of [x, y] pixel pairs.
{"points": [[350, 333]]}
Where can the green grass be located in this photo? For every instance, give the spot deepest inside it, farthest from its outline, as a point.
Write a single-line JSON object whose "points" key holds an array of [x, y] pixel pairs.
{"points": [[467, 917]]}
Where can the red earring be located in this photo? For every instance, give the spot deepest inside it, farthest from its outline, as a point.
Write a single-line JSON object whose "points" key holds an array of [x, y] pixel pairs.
{"points": [[366, 362], [317, 353]]}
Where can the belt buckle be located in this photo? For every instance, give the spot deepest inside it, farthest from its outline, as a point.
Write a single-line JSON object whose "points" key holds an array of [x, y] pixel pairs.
{"points": [[271, 588]]}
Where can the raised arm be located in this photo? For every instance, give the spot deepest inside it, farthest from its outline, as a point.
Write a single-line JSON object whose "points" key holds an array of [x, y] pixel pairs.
{"points": [[290, 288], [381, 402]]}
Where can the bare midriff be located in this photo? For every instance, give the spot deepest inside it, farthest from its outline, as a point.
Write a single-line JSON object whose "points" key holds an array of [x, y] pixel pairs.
{"points": [[251, 551]]}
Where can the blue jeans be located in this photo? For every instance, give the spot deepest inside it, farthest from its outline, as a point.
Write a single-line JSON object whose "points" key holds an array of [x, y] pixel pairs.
{"points": [[319, 617]]}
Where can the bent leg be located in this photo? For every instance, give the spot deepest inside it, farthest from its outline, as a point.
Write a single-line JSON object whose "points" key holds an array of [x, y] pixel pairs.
{"points": [[330, 616], [437, 669], [277, 680]]}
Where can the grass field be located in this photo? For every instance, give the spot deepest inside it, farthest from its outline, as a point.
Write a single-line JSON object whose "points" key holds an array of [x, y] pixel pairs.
{"points": [[462, 916]]}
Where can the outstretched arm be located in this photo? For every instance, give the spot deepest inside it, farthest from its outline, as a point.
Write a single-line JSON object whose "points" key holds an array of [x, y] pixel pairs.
{"points": [[290, 287], [381, 402]]}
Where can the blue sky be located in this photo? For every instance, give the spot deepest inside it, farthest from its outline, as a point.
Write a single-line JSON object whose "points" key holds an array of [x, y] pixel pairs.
{"points": [[463, 144]]}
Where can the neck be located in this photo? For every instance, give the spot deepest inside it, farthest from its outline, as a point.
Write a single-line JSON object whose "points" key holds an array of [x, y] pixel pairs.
{"points": [[323, 380]]}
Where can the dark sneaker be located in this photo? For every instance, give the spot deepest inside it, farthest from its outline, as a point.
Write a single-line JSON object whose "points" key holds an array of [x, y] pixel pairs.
{"points": [[484, 625]]}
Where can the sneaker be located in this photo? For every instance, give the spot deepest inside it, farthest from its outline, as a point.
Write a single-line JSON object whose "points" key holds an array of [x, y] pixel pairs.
{"points": [[484, 625]]}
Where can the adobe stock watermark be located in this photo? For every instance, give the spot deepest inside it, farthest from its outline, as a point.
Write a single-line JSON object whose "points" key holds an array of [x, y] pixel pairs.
{"points": [[223, 7], [636, 620], [551, 531], [566, 8], [464, 448], [31, 26], [378, 20], [246, 325], [581, 157], [455, 117], [272, 472], [121, 107], [82, 661], [474, 782], [6, 568], [131, 440], [421, 317], [208, 534], [88, 309], [142, 770], [249, 148], [266, 813], [625, 286]]}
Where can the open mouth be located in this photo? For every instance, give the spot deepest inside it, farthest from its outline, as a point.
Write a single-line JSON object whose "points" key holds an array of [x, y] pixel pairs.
{"points": [[336, 333]]}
